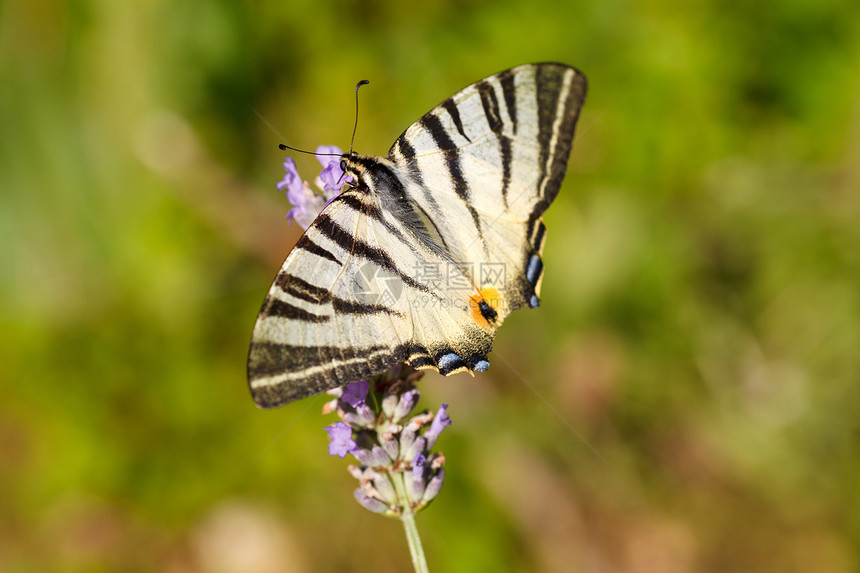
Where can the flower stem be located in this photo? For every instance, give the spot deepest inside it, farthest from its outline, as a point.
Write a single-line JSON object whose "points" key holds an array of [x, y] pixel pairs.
{"points": [[415, 549]]}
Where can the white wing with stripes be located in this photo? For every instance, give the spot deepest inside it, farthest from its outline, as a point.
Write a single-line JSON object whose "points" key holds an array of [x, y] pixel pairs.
{"points": [[342, 308], [433, 246]]}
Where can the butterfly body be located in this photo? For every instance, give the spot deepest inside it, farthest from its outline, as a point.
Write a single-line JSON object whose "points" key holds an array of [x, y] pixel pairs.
{"points": [[422, 258]]}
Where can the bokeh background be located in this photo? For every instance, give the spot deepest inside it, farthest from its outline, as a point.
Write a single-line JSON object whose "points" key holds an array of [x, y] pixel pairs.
{"points": [[687, 398]]}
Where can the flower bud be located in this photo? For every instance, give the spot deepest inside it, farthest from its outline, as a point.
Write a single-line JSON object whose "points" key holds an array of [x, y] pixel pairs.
{"points": [[369, 503]]}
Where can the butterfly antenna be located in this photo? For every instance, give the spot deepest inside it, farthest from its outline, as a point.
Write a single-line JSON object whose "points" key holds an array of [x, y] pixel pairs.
{"points": [[355, 126], [283, 147]]}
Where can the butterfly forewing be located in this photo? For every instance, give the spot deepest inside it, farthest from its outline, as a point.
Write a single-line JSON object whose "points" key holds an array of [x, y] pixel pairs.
{"points": [[434, 246], [491, 159]]}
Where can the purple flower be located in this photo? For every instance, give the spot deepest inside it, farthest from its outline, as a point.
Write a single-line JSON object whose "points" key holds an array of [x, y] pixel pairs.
{"points": [[407, 439], [362, 417], [391, 448], [383, 487], [368, 502], [406, 403], [439, 422], [418, 483], [355, 393], [418, 466], [332, 175], [291, 180], [328, 153], [418, 446], [340, 439], [306, 203], [374, 458], [331, 178], [306, 207], [434, 486]]}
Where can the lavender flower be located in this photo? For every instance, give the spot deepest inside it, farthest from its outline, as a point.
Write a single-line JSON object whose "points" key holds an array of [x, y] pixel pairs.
{"points": [[397, 468], [439, 423], [291, 180], [340, 440], [370, 503], [306, 203], [332, 175], [354, 393]]}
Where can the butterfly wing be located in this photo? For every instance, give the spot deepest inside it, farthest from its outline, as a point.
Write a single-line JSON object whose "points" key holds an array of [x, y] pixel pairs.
{"points": [[486, 164], [343, 308]]}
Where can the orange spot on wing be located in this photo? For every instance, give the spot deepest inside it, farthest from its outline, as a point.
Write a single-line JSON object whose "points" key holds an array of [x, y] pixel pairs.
{"points": [[489, 295]]}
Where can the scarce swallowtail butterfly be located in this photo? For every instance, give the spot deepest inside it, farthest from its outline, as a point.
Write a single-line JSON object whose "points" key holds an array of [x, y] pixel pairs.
{"points": [[423, 256]]}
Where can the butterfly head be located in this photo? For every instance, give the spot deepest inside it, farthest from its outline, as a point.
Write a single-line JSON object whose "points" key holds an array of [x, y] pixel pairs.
{"points": [[361, 168], [375, 175], [351, 165]]}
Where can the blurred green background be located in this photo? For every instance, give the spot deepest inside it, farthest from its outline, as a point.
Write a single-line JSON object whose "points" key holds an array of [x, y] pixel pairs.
{"points": [[698, 341]]}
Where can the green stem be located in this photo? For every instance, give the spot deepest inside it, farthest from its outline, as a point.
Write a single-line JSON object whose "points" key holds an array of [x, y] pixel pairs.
{"points": [[416, 551]]}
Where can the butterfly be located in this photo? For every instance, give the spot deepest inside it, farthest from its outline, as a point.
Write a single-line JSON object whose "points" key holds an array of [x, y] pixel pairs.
{"points": [[424, 255]]}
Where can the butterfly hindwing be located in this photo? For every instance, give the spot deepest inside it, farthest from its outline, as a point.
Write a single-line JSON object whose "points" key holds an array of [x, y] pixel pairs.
{"points": [[425, 255]]}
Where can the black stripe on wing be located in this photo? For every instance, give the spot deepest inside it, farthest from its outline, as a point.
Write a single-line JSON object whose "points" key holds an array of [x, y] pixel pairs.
{"points": [[332, 366], [280, 309], [403, 152], [344, 306], [338, 235], [417, 355], [507, 158], [380, 176], [490, 103], [303, 290], [506, 79], [444, 143], [539, 237], [306, 244], [549, 82], [368, 207], [552, 110], [452, 110], [402, 149], [365, 207], [536, 233]]}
